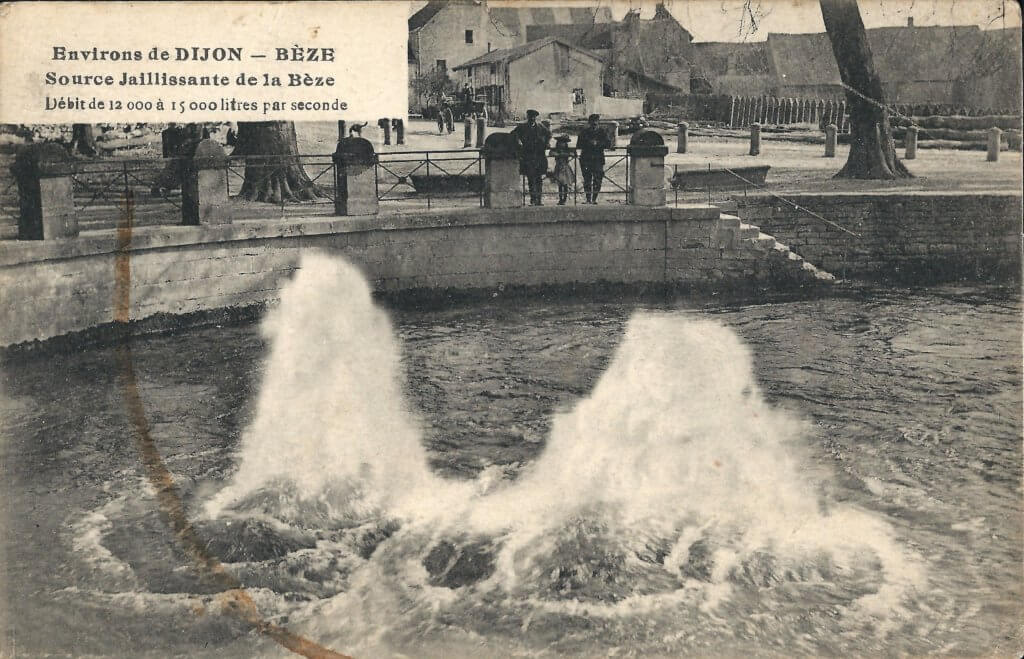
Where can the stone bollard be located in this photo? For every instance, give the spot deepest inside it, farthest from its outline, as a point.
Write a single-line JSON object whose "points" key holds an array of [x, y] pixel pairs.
{"points": [[204, 188], [399, 126], [911, 143], [681, 143], [45, 192], [613, 133], [355, 177], [646, 151], [385, 125], [502, 184], [481, 131], [755, 139], [830, 140], [994, 138], [467, 140]]}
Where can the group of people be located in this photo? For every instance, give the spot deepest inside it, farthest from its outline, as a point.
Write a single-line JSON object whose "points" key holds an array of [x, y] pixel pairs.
{"points": [[532, 138]]}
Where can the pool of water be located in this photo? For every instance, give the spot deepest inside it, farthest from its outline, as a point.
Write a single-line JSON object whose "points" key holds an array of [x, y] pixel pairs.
{"points": [[837, 476]]}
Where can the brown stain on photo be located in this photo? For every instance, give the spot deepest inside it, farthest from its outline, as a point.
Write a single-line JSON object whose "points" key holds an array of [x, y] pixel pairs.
{"points": [[234, 599]]}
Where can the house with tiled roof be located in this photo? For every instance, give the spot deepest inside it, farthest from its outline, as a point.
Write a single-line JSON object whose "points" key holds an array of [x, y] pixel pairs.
{"points": [[549, 75], [943, 65], [446, 34]]}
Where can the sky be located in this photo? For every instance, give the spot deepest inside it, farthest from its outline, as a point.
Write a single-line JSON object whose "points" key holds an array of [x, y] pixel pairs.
{"points": [[730, 20]]}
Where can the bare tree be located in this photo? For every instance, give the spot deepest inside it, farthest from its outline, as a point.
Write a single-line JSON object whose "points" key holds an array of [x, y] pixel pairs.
{"points": [[872, 151], [278, 175]]}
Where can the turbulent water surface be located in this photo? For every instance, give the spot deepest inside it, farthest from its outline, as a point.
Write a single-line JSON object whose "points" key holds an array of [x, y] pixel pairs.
{"points": [[531, 478]]}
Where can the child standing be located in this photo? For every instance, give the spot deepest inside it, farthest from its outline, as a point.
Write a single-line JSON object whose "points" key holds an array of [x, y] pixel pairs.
{"points": [[564, 174]]}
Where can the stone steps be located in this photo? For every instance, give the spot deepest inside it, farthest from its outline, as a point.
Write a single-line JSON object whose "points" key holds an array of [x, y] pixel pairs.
{"points": [[782, 263]]}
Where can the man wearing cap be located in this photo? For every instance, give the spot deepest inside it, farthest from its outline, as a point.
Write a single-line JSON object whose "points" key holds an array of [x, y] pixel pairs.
{"points": [[591, 143], [532, 140]]}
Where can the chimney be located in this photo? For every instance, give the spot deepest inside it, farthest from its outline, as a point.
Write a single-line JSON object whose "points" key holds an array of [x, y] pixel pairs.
{"points": [[910, 21]]}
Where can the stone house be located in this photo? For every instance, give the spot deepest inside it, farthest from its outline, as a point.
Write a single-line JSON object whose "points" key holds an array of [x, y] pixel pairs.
{"points": [[739, 69], [549, 75], [942, 65], [446, 34], [640, 55]]}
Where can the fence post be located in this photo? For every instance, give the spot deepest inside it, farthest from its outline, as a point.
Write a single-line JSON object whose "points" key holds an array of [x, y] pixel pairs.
{"points": [[355, 175], [204, 194], [681, 144], [732, 110], [994, 137], [911, 143], [645, 175], [481, 129], [341, 129], [613, 133], [830, 141], [755, 139], [45, 192]]}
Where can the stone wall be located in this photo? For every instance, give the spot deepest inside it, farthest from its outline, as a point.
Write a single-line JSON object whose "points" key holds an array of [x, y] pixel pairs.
{"points": [[58, 287], [906, 237]]}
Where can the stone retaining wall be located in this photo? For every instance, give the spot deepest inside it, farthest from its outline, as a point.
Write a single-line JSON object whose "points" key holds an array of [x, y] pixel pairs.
{"points": [[905, 237], [56, 287]]}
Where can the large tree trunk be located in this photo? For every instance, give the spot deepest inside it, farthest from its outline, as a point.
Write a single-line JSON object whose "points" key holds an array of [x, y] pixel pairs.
{"points": [[872, 152], [82, 139], [278, 178]]}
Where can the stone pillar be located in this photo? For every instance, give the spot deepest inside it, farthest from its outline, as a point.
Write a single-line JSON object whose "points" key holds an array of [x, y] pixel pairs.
{"points": [[341, 130], [994, 137], [355, 177], [683, 130], [467, 138], [481, 131], [830, 140], [755, 138], [204, 188], [502, 184], [385, 125], [911, 143], [45, 192], [399, 126], [647, 153]]}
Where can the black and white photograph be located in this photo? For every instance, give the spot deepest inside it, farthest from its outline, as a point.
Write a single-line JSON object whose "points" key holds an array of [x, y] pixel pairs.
{"points": [[511, 328]]}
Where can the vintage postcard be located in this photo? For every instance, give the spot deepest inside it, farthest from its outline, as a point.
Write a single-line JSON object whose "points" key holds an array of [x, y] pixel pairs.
{"points": [[507, 328]]}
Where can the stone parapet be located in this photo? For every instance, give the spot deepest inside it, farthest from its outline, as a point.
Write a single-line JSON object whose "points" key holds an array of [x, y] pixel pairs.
{"points": [[62, 287]]}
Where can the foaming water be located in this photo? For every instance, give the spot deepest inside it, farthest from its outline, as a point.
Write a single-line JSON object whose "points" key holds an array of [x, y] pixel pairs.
{"points": [[332, 425], [673, 487]]}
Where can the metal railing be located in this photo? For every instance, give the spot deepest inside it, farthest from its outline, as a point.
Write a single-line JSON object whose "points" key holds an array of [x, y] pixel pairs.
{"points": [[614, 178], [452, 177], [268, 181], [414, 178]]}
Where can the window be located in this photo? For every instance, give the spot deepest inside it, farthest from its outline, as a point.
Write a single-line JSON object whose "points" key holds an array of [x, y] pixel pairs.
{"points": [[494, 68], [469, 36], [561, 58], [442, 66]]}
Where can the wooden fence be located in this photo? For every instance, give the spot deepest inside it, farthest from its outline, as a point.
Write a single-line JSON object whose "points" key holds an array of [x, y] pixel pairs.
{"points": [[741, 111]]}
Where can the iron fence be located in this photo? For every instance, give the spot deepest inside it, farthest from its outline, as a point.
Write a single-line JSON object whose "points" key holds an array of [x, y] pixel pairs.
{"points": [[296, 184], [452, 177], [614, 178]]}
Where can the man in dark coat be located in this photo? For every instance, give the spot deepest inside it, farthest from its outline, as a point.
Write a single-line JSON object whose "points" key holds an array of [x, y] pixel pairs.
{"points": [[532, 140], [591, 143]]}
